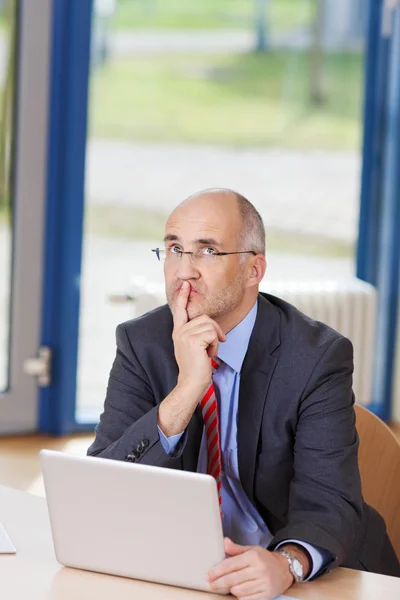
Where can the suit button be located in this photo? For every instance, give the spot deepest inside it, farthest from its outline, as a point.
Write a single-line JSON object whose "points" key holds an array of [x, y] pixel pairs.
{"points": [[135, 454], [145, 443], [140, 447], [129, 458]]}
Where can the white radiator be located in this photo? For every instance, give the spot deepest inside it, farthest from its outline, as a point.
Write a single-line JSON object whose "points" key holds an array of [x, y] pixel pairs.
{"points": [[349, 306]]}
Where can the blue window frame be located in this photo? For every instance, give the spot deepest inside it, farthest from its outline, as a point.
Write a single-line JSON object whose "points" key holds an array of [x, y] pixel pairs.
{"points": [[70, 66], [378, 258]]}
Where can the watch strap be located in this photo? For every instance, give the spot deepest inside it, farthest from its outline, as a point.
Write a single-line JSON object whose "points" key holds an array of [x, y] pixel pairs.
{"points": [[293, 563]]}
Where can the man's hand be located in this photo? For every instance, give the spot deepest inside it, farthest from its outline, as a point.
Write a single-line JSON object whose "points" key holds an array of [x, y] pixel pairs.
{"points": [[251, 573], [195, 343]]}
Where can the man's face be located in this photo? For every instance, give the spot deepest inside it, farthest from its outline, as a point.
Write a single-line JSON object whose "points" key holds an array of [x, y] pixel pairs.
{"points": [[217, 287]]}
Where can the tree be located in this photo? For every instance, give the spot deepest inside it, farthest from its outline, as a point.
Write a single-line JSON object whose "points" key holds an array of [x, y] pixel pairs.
{"points": [[317, 53], [261, 24]]}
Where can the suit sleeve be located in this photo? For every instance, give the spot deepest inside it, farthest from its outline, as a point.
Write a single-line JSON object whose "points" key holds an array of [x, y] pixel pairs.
{"points": [[325, 504], [128, 426]]}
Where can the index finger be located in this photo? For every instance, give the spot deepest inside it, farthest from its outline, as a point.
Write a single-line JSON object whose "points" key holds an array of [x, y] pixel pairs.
{"points": [[180, 313], [220, 333]]}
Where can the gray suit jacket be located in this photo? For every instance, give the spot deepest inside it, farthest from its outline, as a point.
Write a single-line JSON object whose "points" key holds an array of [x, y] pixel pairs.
{"points": [[297, 442]]}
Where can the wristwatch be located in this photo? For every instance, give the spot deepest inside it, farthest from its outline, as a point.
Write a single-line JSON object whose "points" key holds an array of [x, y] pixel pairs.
{"points": [[295, 566]]}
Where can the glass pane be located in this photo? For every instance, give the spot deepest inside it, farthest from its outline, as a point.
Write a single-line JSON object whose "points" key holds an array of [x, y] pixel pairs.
{"points": [[7, 83], [262, 96]]}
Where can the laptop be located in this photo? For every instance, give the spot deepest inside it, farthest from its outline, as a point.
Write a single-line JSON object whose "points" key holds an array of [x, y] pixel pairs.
{"points": [[137, 521]]}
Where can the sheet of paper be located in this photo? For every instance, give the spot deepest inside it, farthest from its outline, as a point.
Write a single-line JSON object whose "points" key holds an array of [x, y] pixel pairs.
{"points": [[6, 545]]}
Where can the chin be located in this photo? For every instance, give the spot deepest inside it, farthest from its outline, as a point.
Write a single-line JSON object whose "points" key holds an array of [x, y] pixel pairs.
{"points": [[194, 311]]}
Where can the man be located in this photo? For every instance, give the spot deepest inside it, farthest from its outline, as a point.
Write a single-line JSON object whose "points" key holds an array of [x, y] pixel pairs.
{"points": [[282, 444]]}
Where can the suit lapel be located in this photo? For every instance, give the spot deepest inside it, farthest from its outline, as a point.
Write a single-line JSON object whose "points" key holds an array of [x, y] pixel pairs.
{"points": [[255, 378]]}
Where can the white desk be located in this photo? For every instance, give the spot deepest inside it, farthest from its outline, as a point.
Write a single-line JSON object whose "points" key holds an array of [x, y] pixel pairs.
{"points": [[34, 574]]}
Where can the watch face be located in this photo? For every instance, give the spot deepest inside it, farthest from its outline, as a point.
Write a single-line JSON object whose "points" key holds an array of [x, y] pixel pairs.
{"points": [[297, 568]]}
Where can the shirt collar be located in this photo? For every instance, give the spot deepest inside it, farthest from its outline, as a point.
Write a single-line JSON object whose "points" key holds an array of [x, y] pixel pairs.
{"points": [[233, 351]]}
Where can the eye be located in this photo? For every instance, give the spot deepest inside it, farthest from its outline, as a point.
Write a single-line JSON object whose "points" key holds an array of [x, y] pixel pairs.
{"points": [[208, 251], [175, 250]]}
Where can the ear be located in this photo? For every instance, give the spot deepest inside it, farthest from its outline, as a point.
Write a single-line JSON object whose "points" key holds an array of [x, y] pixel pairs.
{"points": [[257, 269]]}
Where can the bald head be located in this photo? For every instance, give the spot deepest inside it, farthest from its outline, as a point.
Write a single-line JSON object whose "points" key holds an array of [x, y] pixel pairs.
{"points": [[249, 224]]}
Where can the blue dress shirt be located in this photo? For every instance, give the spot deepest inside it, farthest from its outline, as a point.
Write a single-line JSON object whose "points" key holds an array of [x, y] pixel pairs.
{"points": [[240, 521]]}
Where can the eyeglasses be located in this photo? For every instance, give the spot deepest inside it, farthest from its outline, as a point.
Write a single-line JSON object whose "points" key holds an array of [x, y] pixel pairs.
{"points": [[204, 255]]}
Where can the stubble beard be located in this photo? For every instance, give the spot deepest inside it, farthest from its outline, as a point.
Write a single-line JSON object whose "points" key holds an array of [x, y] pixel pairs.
{"points": [[216, 306]]}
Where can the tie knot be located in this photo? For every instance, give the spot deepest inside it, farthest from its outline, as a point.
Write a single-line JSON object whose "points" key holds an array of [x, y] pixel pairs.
{"points": [[215, 363]]}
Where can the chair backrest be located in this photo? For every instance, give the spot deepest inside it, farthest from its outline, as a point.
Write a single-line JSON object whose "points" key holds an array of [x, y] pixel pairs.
{"points": [[379, 461]]}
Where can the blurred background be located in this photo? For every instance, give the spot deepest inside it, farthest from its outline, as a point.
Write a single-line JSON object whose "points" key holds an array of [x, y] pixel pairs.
{"points": [[144, 102], [245, 94]]}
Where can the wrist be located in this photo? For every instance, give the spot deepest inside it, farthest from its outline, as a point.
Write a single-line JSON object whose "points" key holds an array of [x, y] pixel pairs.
{"points": [[289, 578], [301, 554], [176, 410], [191, 390]]}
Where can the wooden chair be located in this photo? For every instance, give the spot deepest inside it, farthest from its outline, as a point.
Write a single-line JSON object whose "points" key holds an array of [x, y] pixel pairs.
{"points": [[379, 461]]}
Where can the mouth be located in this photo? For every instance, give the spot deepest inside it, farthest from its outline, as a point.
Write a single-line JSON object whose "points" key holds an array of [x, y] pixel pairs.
{"points": [[192, 290]]}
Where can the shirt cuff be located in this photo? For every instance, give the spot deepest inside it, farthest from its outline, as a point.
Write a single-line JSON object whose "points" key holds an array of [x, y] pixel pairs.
{"points": [[169, 443], [319, 557]]}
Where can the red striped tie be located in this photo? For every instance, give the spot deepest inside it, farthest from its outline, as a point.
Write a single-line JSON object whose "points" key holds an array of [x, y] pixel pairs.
{"points": [[209, 409]]}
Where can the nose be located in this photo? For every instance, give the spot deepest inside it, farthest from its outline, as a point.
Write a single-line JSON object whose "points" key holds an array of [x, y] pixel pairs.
{"points": [[186, 269]]}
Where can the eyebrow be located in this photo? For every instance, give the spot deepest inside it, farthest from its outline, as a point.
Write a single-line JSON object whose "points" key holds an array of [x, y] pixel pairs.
{"points": [[200, 242], [172, 238]]}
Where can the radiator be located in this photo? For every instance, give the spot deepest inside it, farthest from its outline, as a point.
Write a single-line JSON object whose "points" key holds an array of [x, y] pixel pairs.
{"points": [[349, 306]]}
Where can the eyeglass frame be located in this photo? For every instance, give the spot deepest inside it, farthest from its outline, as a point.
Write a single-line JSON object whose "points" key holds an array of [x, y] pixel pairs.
{"points": [[181, 252]]}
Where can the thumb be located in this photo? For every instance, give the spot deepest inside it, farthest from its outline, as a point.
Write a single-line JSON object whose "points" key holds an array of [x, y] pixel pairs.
{"points": [[234, 549]]}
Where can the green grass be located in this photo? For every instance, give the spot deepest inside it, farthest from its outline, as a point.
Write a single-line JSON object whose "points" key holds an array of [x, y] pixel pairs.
{"points": [[124, 221], [6, 14], [140, 224], [5, 213], [244, 100], [207, 14], [290, 14]]}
